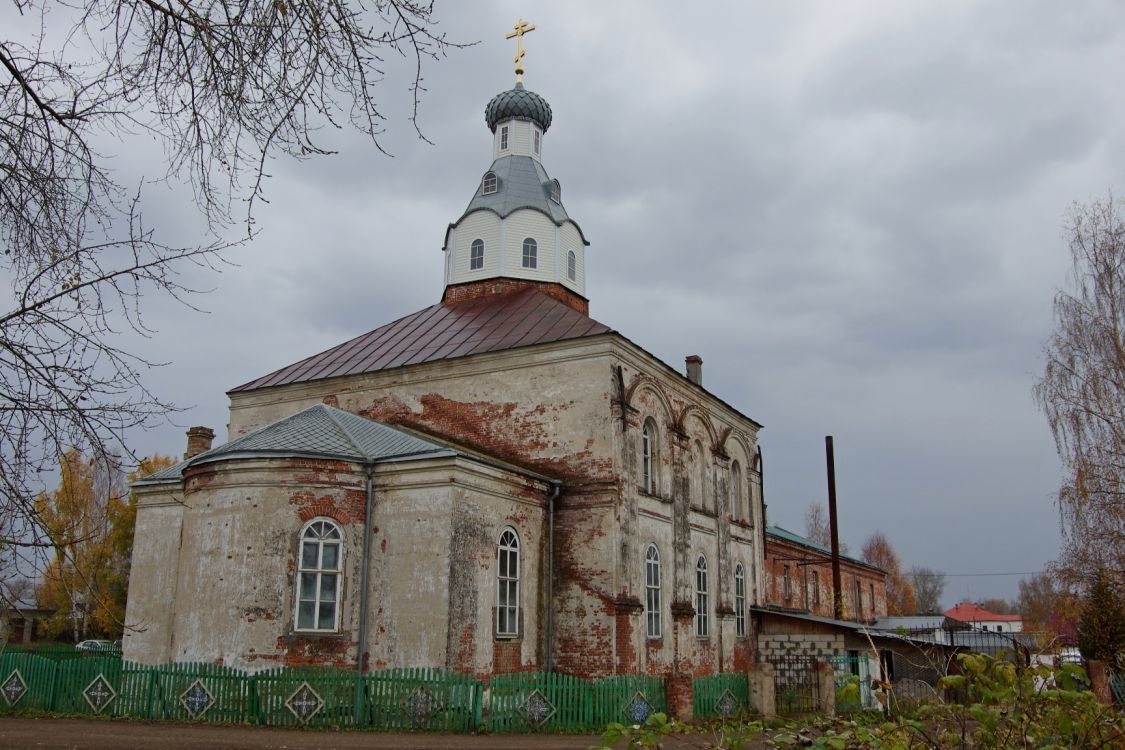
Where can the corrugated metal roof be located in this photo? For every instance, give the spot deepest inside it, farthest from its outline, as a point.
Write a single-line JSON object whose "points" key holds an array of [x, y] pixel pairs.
{"points": [[319, 431], [486, 324], [788, 535]]}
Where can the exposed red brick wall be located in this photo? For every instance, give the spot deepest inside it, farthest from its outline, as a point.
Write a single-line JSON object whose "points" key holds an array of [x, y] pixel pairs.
{"points": [[681, 697], [804, 561], [475, 289], [628, 611], [514, 432]]}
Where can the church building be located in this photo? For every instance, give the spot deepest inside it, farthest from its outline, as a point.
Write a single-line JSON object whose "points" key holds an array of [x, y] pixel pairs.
{"points": [[495, 483]]}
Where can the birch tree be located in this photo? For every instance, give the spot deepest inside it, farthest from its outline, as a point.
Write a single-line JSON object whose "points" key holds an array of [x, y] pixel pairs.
{"points": [[1082, 392]]}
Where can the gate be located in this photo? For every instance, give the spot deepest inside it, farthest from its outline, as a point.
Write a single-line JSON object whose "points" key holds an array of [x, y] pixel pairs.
{"points": [[795, 684]]}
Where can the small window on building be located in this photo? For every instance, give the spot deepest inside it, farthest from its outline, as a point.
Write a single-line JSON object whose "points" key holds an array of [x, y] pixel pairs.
{"points": [[871, 597], [488, 184], [858, 599], [476, 255], [786, 583], [318, 576], [652, 592], [530, 253], [648, 444], [700, 474], [556, 191], [507, 585], [816, 588], [702, 621], [536, 131], [571, 266], [739, 601], [503, 137]]}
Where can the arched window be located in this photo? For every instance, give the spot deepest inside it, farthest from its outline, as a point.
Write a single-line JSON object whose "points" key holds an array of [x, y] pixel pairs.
{"points": [[572, 266], [488, 184], [556, 191], [476, 255], [648, 451], [652, 592], [508, 585], [736, 492], [739, 601], [318, 576], [530, 251], [702, 621]]}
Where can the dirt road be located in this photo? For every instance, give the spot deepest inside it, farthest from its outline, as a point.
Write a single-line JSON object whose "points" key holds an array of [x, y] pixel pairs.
{"points": [[18, 732]]}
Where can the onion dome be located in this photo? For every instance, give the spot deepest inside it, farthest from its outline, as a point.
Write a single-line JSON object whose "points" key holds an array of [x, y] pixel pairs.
{"points": [[518, 103]]}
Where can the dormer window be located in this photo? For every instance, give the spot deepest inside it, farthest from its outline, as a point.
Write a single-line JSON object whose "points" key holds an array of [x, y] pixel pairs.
{"points": [[488, 184], [537, 136], [503, 137], [556, 191]]}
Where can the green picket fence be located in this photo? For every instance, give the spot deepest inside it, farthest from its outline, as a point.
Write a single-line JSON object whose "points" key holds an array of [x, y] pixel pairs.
{"points": [[627, 699], [1117, 689], [721, 695], [423, 699], [530, 701], [401, 699], [60, 651]]}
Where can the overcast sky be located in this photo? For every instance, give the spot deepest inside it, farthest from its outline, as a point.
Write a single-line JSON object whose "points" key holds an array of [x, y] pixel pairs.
{"points": [[852, 211]]}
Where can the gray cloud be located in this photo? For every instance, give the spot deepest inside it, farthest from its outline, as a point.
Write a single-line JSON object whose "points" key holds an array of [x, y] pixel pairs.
{"points": [[851, 212]]}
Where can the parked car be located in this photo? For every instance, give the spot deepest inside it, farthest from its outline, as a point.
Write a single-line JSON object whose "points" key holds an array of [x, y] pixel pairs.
{"points": [[95, 646]]}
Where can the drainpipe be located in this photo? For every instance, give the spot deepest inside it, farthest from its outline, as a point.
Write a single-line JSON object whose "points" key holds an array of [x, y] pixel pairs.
{"points": [[556, 487], [369, 470]]}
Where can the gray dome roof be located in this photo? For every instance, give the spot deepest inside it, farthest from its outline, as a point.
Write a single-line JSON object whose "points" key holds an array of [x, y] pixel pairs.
{"points": [[519, 103]]}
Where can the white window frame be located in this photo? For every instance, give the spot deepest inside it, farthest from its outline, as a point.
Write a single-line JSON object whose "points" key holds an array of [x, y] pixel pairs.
{"points": [[571, 265], [503, 137], [648, 478], [530, 253], [476, 260], [489, 184], [318, 533], [556, 191], [508, 584], [536, 138], [702, 614], [653, 625], [740, 600]]}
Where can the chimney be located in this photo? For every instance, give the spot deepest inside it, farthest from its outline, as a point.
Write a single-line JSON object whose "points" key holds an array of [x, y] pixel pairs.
{"points": [[694, 368], [198, 440]]}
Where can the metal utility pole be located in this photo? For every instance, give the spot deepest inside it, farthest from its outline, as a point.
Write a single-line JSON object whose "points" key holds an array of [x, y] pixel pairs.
{"points": [[837, 591]]}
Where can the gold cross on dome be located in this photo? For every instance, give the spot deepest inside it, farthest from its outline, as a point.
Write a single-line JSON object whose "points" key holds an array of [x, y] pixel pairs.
{"points": [[521, 28]]}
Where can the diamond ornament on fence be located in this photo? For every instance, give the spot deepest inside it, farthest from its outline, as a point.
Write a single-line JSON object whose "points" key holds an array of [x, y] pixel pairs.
{"points": [[305, 703], [99, 693], [420, 705], [727, 704], [14, 688], [537, 709], [638, 709], [197, 699]]}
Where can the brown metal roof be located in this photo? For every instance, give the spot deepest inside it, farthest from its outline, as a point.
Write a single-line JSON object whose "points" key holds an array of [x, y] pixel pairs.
{"points": [[444, 331]]}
